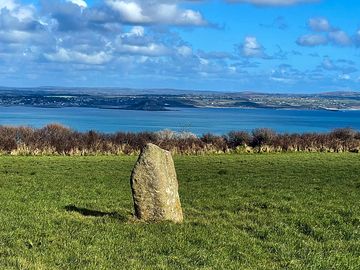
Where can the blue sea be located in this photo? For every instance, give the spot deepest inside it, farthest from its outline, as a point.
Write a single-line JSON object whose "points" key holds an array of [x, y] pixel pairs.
{"points": [[198, 121]]}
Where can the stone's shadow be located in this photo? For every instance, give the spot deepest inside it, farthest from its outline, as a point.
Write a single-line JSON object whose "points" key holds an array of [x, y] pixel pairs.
{"points": [[95, 213]]}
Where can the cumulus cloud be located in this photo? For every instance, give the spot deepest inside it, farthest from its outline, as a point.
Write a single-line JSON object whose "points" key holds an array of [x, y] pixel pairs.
{"points": [[80, 3], [184, 51], [23, 13], [111, 15], [129, 11], [151, 49], [19, 24], [312, 40], [138, 42], [135, 35], [71, 56], [252, 48], [330, 35], [319, 24], [15, 36], [148, 12], [141, 38], [339, 37], [8, 4], [102, 31], [112, 30]]}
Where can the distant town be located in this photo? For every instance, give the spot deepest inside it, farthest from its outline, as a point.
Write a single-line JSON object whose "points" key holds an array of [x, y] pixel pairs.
{"points": [[169, 99]]}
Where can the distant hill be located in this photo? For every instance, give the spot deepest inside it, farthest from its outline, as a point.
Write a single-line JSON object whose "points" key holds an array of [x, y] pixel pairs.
{"points": [[167, 99]]}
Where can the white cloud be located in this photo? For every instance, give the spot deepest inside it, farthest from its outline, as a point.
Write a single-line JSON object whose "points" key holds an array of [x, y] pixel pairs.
{"points": [[312, 40], [252, 48], [170, 13], [143, 12], [137, 31], [151, 49], [129, 11], [133, 37], [18, 23], [71, 56], [340, 38], [8, 4], [319, 24], [21, 12], [137, 42], [184, 51], [331, 35], [80, 3], [15, 36]]}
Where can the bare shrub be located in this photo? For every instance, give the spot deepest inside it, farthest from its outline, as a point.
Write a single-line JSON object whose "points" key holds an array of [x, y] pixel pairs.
{"points": [[55, 139], [262, 136], [215, 143], [8, 139], [238, 138], [343, 134]]}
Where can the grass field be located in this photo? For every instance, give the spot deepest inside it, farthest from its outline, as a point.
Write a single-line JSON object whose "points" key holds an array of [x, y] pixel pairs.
{"points": [[273, 211]]}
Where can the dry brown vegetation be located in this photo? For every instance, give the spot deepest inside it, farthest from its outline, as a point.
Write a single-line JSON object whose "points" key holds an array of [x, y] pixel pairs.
{"points": [[56, 139]]}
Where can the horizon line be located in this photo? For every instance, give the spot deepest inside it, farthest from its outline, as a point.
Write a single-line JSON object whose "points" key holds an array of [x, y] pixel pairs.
{"points": [[179, 89]]}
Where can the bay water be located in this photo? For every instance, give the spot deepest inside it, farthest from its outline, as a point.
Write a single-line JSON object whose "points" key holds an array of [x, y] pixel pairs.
{"points": [[195, 120]]}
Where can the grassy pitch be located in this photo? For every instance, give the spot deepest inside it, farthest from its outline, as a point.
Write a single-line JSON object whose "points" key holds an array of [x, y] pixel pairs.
{"points": [[271, 211]]}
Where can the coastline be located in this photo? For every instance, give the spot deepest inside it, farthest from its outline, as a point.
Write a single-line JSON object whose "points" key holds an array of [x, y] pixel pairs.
{"points": [[169, 109]]}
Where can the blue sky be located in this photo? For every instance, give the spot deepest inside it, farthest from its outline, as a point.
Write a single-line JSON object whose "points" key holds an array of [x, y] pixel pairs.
{"points": [[287, 46]]}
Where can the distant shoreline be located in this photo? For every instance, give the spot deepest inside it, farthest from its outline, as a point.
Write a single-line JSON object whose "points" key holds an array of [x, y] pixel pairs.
{"points": [[169, 109], [147, 100]]}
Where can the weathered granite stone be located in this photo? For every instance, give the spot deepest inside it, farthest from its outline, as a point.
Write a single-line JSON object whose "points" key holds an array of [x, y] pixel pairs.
{"points": [[155, 187]]}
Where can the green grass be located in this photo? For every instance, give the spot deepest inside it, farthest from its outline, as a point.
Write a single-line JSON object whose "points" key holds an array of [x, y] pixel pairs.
{"points": [[275, 211]]}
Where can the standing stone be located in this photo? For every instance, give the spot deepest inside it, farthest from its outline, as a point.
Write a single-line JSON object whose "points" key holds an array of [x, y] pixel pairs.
{"points": [[155, 187]]}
